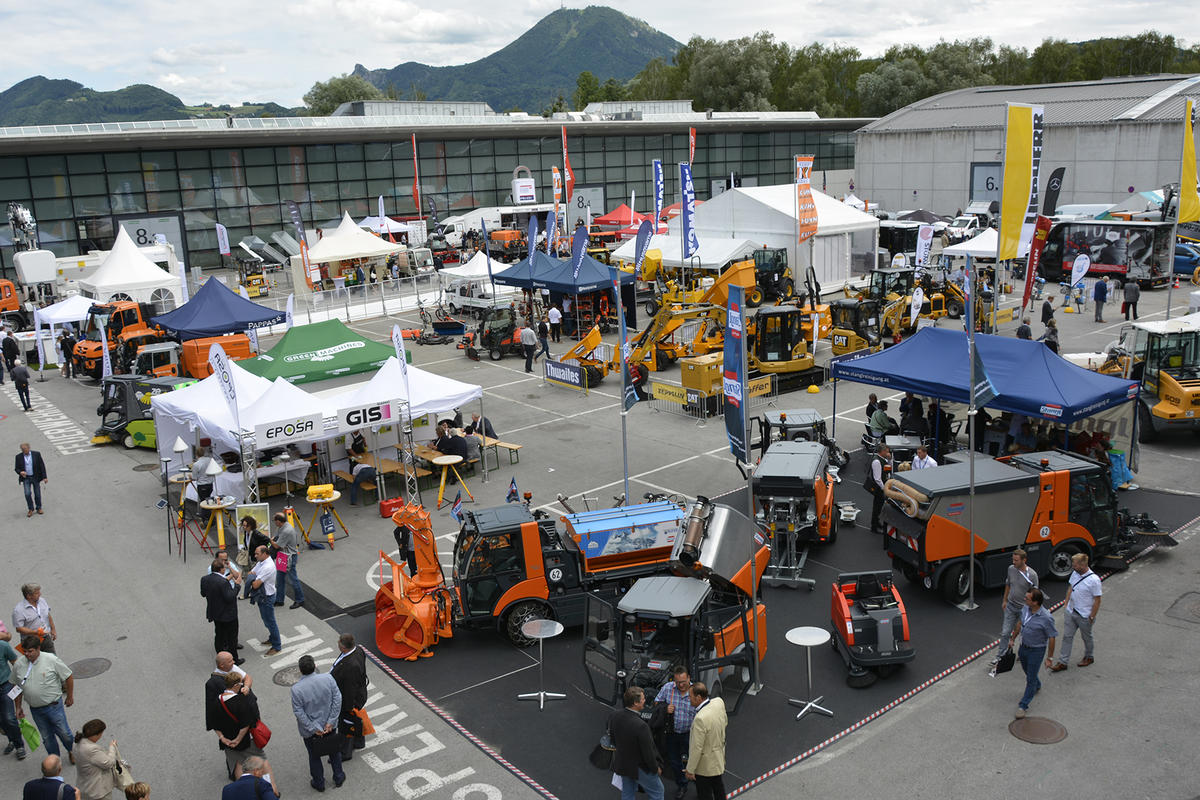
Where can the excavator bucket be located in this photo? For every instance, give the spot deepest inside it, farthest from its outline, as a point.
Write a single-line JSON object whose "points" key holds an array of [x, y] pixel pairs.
{"points": [[412, 612], [582, 351]]}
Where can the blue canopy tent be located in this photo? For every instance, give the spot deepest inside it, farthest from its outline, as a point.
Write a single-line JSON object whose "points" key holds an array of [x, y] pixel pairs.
{"points": [[214, 310], [556, 276], [1028, 378]]}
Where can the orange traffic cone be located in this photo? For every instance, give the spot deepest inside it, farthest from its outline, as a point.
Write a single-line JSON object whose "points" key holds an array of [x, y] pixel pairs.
{"points": [[1176, 286]]}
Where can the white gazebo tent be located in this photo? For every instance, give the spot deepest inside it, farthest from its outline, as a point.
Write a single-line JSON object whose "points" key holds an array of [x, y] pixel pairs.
{"points": [[766, 215], [74, 309], [714, 252], [346, 243], [982, 246], [854, 201], [383, 225], [199, 411], [127, 274]]}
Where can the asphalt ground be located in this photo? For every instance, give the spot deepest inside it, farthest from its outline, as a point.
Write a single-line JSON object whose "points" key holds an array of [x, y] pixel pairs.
{"points": [[100, 554]]}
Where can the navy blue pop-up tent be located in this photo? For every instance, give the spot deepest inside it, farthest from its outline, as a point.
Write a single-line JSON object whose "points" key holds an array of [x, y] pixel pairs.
{"points": [[556, 276], [215, 310], [1028, 378]]}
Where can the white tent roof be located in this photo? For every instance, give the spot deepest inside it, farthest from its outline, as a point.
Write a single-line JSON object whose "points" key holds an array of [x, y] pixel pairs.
{"points": [[349, 241], [854, 201], [476, 267], [748, 212], [127, 269], [200, 411], [373, 224], [73, 309], [714, 251], [431, 394], [982, 246], [283, 400]]}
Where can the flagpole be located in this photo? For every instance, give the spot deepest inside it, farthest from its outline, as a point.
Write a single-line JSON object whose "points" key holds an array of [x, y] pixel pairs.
{"points": [[971, 437]]}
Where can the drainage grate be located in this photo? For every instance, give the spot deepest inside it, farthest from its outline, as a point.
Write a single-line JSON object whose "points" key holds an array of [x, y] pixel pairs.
{"points": [[90, 667], [1186, 608], [288, 676], [146, 468], [1037, 730]]}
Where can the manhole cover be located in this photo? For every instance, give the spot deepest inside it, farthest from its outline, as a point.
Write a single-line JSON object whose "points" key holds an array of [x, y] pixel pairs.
{"points": [[146, 468], [1037, 730], [1186, 608], [90, 667], [288, 676]]}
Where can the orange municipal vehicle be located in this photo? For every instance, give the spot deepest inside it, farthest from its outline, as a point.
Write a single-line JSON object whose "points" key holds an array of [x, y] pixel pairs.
{"points": [[190, 358], [127, 326]]}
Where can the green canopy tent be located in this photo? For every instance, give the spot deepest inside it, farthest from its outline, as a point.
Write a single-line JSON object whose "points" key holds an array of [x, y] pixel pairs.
{"points": [[319, 351]]}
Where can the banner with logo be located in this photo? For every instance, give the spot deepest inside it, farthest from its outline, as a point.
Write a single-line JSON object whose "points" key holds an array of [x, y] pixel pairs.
{"points": [[658, 191], [1053, 187], [1041, 230], [383, 226], [806, 209], [914, 311], [289, 318], [1022, 162], [220, 367], [924, 244], [578, 249], [570, 175], [691, 145], [433, 213], [1189, 199], [105, 358], [1079, 268], [558, 196], [533, 232], [734, 376], [642, 244], [487, 246], [983, 391], [313, 273], [287, 431], [369, 416], [569, 375], [687, 192], [222, 239], [401, 356], [416, 189], [551, 227]]}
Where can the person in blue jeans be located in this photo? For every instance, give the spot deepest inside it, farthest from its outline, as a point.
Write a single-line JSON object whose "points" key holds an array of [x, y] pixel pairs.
{"points": [[362, 473], [1038, 633], [48, 688], [8, 713], [263, 586], [287, 541]]}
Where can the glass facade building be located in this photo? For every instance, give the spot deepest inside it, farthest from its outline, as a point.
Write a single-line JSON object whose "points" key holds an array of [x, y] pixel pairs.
{"points": [[80, 184]]}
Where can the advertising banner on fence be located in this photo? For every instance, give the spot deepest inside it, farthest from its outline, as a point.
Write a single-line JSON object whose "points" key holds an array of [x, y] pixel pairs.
{"points": [[687, 195], [1022, 162], [734, 376], [568, 375], [806, 208]]}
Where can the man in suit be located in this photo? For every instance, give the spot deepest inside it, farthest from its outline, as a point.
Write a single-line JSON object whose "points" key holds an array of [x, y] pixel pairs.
{"points": [[222, 607], [31, 472], [11, 350], [21, 377], [317, 702], [634, 756], [706, 752], [251, 785], [47, 786], [349, 672]]}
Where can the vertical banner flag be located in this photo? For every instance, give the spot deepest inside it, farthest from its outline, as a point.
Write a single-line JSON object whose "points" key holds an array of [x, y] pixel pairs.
{"points": [[1041, 230], [456, 508], [551, 228], [568, 173], [106, 360], [914, 311], [533, 232], [983, 391], [416, 192], [734, 379], [658, 192], [220, 367], [183, 284], [383, 226], [1189, 199], [433, 213], [642, 244], [691, 145], [288, 314], [557, 177], [487, 246], [578, 249], [401, 356], [1022, 161], [1079, 268], [924, 244], [37, 335], [969, 293], [806, 209], [513, 495], [627, 391], [687, 193], [222, 239], [313, 274], [1053, 187]]}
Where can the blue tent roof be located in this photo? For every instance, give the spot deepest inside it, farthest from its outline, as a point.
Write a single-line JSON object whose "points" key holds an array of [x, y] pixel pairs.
{"points": [[555, 275], [214, 310], [1028, 378]]}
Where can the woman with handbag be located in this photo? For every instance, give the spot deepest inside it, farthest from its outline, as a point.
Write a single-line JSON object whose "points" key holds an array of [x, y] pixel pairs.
{"points": [[95, 764], [236, 729]]}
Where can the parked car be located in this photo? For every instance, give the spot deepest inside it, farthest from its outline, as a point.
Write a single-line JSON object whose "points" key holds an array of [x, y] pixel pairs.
{"points": [[1187, 258]]}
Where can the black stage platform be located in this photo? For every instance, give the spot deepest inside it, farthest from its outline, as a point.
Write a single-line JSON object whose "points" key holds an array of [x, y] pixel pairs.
{"points": [[476, 677]]}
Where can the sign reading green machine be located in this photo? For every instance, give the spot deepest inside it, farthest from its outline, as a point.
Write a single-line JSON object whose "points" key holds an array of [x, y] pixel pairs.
{"points": [[319, 351]]}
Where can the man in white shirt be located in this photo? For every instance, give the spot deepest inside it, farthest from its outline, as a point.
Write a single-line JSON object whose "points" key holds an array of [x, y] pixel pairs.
{"points": [[922, 459], [555, 323], [1082, 606], [264, 575], [32, 617]]}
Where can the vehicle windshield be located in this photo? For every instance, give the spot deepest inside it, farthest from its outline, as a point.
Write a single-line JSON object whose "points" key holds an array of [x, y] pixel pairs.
{"points": [[961, 222], [95, 320]]}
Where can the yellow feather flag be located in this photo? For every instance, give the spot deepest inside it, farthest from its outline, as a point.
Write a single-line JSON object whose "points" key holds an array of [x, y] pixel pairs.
{"points": [[1189, 200], [1022, 160]]}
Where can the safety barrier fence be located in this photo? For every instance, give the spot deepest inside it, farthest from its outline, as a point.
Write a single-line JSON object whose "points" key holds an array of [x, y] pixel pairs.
{"points": [[672, 398]]}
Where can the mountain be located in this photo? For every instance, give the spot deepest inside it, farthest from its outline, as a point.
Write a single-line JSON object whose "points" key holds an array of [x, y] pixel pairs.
{"points": [[42, 101], [531, 72]]}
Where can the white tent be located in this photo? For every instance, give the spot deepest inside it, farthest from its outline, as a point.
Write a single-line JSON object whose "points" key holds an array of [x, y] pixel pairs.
{"points": [[127, 273], [713, 254], [350, 241], [476, 267], [73, 309], [385, 224], [430, 393], [854, 201], [282, 401], [200, 411], [982, 246], [767, 216]]}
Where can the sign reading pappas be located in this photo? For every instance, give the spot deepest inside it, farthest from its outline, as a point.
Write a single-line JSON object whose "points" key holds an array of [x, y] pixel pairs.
{"points": [[806, 209]]}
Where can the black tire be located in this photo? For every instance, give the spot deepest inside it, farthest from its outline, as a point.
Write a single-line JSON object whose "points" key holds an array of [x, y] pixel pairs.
{"points": [[954, 309], [425, 318], [834, 523], [453, 308], [594, 375], [839, 457], [520, 614], [128, 441], [1060, 560], [651, 307], [787, 289], [887, 670], [604, 328], [910, 572], [955, 583], [861, 681], [754, 296], [495, 354], [1146, 432], [801, 436]]}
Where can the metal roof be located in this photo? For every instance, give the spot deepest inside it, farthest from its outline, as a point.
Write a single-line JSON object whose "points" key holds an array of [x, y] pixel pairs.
{"points": [[1150, 98]]}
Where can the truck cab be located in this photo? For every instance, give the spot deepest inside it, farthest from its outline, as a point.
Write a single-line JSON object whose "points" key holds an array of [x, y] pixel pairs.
{"points": [[126, 326]]}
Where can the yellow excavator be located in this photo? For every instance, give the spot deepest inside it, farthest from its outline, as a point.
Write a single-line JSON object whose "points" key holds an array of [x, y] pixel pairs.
{"points": [[669, 292]]}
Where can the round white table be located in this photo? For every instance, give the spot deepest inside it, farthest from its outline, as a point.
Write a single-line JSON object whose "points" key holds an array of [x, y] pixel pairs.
{"points": [[809, 637], [448, 463], [541, 629]]}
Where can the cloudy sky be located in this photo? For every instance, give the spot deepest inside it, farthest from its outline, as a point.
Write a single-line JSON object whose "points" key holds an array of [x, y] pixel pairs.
{"points": [[229, 51]]}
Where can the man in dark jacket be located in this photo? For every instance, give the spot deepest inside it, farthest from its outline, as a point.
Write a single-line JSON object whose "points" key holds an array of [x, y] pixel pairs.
{"points": [[222, 607], [31, 472], [1100, 297], [68, 349], [11, 350], [349, 672], [51, 785], [21, 377], [634, 756]]}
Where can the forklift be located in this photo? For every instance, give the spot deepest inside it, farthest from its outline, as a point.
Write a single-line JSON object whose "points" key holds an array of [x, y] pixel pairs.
{"points": [[124, 408], [252, 275]]}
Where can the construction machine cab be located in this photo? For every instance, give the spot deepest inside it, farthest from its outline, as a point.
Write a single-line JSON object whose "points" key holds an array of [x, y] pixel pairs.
{"points": [[778, 334], [855, 325], [773, 278], [891, 283]]}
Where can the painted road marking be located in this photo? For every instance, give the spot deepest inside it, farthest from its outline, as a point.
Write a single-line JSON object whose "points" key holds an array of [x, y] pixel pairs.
{"points": [[62, 432]]}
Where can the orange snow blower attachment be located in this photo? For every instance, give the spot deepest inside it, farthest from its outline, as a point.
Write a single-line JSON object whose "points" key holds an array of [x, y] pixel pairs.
{"points": [[412, 612]]}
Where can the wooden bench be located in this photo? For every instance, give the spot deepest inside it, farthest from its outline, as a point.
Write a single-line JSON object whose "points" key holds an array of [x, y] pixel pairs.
{"points": [[341, 474], [514, 451]]}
